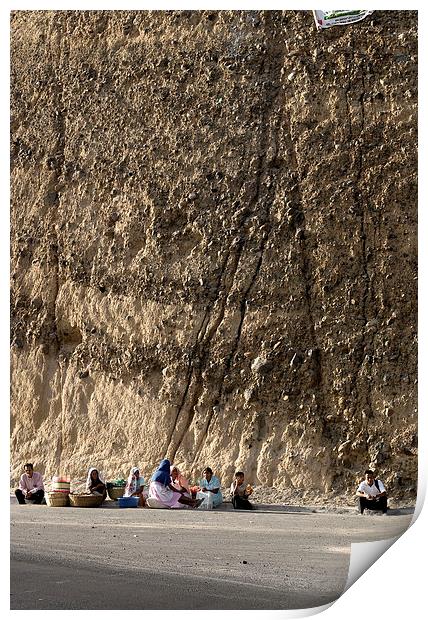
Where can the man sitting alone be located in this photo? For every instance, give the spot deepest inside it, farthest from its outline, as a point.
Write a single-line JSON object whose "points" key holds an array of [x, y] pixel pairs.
{"points": [[30, 486], [372, 494]]}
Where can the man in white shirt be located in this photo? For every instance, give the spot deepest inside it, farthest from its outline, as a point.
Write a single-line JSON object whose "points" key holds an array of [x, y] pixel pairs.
{"points": [[372, 493], [30, 486]]}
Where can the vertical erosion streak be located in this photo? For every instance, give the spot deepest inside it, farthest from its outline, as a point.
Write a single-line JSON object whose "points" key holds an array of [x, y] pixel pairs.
{"points": [[58, 157], [234, 348], [203, 342], [296, 197], [58, 163], [361, 204], [188, 380], [361, 212], [273, 71], [190, 398], [202, 338]]}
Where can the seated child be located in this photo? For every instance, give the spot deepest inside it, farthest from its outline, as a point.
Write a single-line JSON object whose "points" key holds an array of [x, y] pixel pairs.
{"points": [[240, 492]]}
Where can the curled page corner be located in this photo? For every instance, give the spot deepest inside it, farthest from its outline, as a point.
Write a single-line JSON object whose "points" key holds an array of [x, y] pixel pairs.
{"points": [[311, 611], [420, 499], [295, 613], [363, 555]]}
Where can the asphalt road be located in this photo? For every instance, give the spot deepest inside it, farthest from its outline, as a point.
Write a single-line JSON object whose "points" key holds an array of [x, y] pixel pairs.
{"points": [[111, 558]]}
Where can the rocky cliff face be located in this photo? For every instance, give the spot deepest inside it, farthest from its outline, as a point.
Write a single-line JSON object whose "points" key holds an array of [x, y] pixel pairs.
{"points": [[214, 245]]}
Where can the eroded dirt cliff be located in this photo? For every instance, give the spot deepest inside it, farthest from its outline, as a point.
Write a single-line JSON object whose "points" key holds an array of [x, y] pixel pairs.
{"points": [[213, 236]]}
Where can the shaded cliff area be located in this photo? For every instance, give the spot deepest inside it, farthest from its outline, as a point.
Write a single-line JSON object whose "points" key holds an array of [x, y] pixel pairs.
{"points": [[213, 245]]}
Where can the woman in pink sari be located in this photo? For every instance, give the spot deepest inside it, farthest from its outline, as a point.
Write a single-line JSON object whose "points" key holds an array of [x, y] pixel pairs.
{"points": [[162, 494]]}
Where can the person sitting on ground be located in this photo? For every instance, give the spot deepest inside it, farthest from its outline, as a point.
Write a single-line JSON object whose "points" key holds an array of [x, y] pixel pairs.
{"points": [[135, 486], [372, 493], [163, 494], [179, 481], [94, 484], [31, 486], [240, 492], [210, 490]]}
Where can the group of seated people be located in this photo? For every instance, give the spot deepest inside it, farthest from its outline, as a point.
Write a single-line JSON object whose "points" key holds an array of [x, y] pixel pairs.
{"points": [[168, 488]]}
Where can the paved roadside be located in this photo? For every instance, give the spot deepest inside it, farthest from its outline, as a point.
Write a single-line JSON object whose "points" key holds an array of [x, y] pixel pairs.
{"points": [[108, 558]]}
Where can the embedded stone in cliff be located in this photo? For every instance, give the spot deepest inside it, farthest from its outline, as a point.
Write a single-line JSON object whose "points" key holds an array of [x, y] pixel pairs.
{"points": [[260, 364]]}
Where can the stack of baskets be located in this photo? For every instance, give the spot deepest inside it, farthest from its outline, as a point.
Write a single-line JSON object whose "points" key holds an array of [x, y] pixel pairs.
{"points": [[61, 484], [59, 495]]}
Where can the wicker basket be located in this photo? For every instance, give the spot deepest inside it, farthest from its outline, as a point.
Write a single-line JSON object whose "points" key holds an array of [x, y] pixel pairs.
{"points": [[57, 500], [85, 501], [115, 492]]}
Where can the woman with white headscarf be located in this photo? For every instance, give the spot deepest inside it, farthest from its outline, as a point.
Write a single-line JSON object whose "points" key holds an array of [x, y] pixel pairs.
{"points": [[94, 484], [135, 485]]}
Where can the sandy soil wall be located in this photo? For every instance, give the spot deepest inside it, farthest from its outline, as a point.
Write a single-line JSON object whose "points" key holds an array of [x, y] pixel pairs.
{"points": [[213, 237]]}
